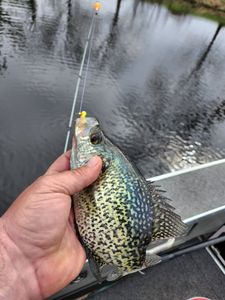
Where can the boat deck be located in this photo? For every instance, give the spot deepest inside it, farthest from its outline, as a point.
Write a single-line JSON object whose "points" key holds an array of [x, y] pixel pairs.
{"points": [[195, 274], [194, 194]]}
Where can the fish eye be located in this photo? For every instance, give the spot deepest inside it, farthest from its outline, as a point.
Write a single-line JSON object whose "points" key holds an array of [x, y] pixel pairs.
{"points": [[96, 138]]}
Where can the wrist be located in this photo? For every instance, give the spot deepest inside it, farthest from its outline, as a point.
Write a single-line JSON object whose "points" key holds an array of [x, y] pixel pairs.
{"points": [[17, 276]]}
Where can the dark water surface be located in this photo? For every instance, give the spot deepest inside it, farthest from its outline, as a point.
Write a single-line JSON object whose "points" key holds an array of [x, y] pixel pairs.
{"points": [[156, 82]]}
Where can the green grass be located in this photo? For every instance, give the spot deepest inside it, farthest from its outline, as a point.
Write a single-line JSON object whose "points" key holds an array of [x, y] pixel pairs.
{"points": [[178, 8], [215, 18], [194, 7]]}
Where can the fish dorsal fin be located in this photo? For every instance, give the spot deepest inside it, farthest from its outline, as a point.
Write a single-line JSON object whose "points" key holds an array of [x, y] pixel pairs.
{"points": [[166, 223]]}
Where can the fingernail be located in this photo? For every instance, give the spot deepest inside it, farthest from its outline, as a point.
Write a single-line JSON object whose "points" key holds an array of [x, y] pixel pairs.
{"points": [[92, 162]]}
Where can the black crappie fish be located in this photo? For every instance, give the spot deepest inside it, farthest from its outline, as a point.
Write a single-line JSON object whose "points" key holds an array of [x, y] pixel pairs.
{"points": [[120, 214]]}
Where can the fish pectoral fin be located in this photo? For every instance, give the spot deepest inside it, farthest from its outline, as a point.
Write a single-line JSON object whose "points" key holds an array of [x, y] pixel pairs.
{"points": [[151, 259]]}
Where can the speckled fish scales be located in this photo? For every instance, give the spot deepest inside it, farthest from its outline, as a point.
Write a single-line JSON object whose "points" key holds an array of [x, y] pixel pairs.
{"points": [[120, 214]]}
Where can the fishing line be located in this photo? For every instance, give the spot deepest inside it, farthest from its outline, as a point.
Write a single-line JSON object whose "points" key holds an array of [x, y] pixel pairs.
{"points": [[79, 81], [87, 67]]}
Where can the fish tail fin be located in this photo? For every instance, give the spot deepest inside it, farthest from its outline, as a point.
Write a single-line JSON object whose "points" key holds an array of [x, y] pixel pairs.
{"points": [[166, 223]]}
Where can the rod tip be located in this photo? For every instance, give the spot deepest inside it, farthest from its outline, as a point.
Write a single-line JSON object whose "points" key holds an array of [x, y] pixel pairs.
{"points": [[97, 6]]}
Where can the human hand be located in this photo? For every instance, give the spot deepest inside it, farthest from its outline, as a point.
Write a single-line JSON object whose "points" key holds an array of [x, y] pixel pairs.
{"points": [[39, 225]]}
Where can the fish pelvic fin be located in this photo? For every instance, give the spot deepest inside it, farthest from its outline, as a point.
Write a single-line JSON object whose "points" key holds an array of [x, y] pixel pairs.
{"points": [[111, 272], [94, 266], [166, 223]]}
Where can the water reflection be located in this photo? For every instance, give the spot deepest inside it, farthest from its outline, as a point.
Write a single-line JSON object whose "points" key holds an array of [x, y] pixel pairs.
{"points": [[206, 52], [33, 8], [135, 7], [69, 9], [115, 19], [110, 40], [3, 64], [156, 83]]}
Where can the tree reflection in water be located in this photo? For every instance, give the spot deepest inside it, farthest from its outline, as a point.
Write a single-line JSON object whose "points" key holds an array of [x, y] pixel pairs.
{"points": [[156, 83]]}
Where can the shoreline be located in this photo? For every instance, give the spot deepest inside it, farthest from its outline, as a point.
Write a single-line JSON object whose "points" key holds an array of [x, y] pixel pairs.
{"points": [[213, 10]]}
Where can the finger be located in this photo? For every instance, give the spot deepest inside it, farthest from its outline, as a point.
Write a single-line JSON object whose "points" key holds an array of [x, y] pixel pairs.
{"points": [[75, 181], [62, 163]]}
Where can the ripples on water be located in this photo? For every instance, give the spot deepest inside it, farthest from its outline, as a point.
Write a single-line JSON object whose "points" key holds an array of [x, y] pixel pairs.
{"points": [[156, 83]]}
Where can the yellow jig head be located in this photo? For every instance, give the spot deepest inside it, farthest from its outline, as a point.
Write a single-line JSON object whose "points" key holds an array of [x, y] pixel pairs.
{"points": [[83, 115]]}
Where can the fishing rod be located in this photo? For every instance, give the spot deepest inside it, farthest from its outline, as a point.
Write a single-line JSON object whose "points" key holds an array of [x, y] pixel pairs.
{"points": [[87, 54], [198, 246], [88, 45]]}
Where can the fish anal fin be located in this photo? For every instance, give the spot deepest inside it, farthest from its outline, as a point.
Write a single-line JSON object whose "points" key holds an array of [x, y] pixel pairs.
{"points": [[151, 260]]}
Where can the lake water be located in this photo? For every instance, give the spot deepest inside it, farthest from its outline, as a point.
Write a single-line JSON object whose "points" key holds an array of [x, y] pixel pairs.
{"points": [[155, 82]]}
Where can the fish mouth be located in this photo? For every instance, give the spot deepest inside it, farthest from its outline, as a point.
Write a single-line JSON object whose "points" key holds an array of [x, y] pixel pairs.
{"points": [[84, 126]]}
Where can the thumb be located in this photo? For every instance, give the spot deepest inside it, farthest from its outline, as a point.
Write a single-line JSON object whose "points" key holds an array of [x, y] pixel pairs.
{"points": [[74, 181]]}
